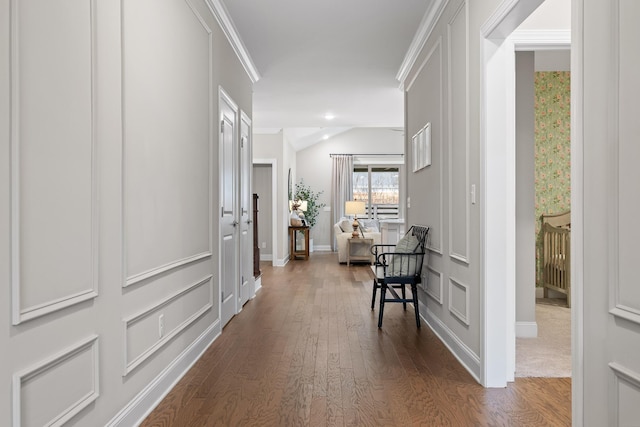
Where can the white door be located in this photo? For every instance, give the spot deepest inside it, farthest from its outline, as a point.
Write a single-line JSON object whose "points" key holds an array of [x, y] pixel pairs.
{"points": [[246, 212], [228, 209], [605, 238]]}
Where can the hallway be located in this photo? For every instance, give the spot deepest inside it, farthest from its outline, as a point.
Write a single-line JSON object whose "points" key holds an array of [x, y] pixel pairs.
{"points": [[306, 352]]}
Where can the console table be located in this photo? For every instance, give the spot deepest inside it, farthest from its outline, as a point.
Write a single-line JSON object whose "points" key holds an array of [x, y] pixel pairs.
{"points": [[295, 250]]}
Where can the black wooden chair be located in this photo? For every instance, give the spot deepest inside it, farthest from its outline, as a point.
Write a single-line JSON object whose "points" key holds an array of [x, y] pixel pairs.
{"points": [[396, 266]]}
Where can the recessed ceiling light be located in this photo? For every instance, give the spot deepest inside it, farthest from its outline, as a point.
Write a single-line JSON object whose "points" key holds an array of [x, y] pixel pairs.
{"points": [[329, 116]]}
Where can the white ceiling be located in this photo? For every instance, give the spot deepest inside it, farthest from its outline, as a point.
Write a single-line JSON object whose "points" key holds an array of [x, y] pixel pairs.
{"points": [[330, 56]]}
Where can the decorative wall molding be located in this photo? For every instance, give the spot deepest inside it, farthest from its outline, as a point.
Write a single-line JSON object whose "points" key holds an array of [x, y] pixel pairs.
{"points": [[425, 29], [623, 376], [165, 268], [436, 49], [618, 308], [130, 365], [507, 17], [431, 272], [142, 405], [462, 257], [461, 313], [132, 279], [228, 27], [19, 313], [47, 366]]}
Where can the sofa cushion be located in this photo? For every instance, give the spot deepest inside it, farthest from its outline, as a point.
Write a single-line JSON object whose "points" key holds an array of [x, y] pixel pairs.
{"points": [[346, 226], [370, 225], [405, 265]]}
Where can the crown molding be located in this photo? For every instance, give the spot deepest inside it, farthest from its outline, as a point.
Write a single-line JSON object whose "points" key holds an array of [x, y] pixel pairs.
{"points": [[425, 28], [219, 10]]}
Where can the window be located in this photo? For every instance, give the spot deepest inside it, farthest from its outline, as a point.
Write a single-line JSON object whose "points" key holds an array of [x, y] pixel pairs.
{"points": [[379, 187]]}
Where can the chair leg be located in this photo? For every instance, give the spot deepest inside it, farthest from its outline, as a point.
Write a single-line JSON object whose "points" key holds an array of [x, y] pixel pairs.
{"points": [[375, 288], [404, 297], [414, 293], [383, 294]]}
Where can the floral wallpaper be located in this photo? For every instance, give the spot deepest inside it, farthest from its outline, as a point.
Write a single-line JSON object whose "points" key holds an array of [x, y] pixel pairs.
{"points": [[552, 148]]}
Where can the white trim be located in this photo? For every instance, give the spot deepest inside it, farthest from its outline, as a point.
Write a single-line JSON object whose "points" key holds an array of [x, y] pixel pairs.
{"points": [[467, 357], [88, 344], [266, 257], [20, 314], [141, 406], [620, 374], [541, 39], [428, 23], [322, 248], [229, 29], [274, 209], [498, 306], [526, 329], [577, 212], [131, 365], [139, 277]]}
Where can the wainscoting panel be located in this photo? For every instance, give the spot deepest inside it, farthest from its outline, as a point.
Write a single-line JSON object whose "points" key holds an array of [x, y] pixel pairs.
{"points": [[627, 395], [459, 300], [428, 84], [53, 186], [434, 284], [625, 172], [147, 332], [458, 94], [56, 389], [168, 127]]}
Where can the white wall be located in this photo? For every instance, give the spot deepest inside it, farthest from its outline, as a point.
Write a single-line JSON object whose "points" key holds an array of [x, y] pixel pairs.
{"points": [[314, 166], [107, 202]]}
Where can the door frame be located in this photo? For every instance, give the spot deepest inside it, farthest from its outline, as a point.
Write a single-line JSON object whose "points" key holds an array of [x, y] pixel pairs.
{"points": [[274, 192], [498, 176]]}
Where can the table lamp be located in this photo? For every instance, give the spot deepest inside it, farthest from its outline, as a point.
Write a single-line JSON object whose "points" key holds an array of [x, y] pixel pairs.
{"points": [[354, 208]]}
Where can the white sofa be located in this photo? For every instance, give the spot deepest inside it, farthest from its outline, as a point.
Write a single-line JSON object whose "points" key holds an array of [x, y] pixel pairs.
{"points": [[343, 230]]}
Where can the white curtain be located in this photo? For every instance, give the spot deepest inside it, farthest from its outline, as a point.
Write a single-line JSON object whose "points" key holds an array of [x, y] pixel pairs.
{"points": [[341, 187]]}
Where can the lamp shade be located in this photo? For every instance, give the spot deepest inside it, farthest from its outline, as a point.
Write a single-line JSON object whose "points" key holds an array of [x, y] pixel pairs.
{"points": [[301, 205], [355, 208]]}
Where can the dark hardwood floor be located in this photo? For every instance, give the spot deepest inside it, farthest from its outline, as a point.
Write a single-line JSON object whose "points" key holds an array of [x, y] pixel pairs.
{"points": [[306, 351]]}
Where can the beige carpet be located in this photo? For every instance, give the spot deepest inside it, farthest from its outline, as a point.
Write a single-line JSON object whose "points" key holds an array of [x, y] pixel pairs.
{"points": [[548, 355]]}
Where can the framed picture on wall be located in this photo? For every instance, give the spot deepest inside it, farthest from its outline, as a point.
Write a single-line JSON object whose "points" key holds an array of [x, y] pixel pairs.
{"points": [[421, 148]]}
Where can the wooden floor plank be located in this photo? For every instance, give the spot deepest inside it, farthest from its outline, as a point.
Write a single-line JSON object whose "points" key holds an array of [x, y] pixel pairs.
{"points": [[307, 351]]}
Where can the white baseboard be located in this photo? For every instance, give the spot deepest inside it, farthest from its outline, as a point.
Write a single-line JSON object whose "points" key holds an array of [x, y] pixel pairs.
{"points": [[469, 360], [281, 262], [322, 248], [257, 286], [526, 329], [266, 257], [539, 292], [141, 406]]}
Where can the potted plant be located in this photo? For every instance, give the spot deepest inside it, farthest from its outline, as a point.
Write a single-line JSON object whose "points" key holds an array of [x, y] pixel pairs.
{"points": [[304, 192]]}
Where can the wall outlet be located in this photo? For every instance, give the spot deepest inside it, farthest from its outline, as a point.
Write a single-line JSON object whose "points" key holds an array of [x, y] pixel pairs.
{"points": [[408, 202], [327, 209], [161, 326]]}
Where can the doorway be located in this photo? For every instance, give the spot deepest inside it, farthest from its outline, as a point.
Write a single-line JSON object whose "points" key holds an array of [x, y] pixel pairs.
{"points": [[265, 186]]}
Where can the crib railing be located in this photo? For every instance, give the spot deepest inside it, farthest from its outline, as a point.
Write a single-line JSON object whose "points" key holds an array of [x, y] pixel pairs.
{"points": [[557, 259]]}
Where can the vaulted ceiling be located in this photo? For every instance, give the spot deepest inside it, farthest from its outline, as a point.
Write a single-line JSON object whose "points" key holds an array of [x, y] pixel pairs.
{"points": [[338, 57]]}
